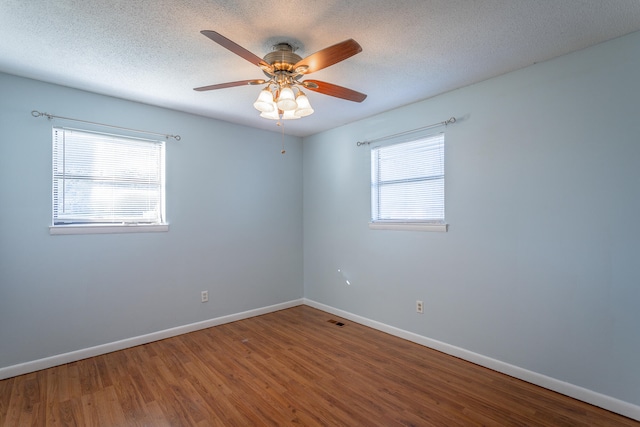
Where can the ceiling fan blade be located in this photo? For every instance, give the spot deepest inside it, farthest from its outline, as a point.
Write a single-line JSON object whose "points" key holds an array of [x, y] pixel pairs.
{"points": [[334, 90], [236, 48], [328, 56], [230, 84]]}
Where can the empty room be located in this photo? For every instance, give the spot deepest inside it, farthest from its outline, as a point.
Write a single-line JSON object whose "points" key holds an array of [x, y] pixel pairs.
{"points": [[363, 213]]}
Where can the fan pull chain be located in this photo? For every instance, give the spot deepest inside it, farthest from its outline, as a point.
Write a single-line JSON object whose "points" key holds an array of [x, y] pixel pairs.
{"points": [[281, 124]]}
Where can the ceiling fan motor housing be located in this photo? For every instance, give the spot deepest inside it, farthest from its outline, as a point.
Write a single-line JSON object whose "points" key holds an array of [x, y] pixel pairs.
{"points": [[282, 58]]}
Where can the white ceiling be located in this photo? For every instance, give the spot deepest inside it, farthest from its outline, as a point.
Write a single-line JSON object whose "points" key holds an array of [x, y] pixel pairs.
{"points": [[152, 50]]}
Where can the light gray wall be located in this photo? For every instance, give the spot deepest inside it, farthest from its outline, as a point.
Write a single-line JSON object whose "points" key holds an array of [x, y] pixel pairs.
{"points": [[234, 205], [541, 266]]}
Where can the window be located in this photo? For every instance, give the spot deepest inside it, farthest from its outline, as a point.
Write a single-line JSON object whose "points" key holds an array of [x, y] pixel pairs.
{"points": [[407, 184], [103, 183]]}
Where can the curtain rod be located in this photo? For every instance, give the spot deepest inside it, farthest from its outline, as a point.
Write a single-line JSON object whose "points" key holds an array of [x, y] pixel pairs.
{"points": [[445, 123], [36, 113]]}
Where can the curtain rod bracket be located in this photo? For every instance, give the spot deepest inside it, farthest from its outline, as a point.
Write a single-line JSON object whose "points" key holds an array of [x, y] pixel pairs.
{"points": [[36, 113]]}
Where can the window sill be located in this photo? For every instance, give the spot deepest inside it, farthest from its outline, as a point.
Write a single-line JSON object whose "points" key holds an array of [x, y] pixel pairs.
{"points": [[107, 229], [408, 226]]}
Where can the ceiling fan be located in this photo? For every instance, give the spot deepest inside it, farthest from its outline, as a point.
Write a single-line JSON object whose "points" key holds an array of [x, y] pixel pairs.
{"points": [[285, 69]]}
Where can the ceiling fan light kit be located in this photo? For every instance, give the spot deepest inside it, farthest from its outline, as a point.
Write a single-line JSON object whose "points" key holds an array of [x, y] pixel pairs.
{"points": [[283, 98], [283, 104]]}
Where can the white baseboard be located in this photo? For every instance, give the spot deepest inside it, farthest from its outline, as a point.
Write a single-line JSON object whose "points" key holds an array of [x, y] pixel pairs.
{"points": [[61, 359], [597, 399]]}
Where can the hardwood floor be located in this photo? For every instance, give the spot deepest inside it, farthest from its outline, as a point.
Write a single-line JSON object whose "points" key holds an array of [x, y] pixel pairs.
{"points": [[292, 367]]}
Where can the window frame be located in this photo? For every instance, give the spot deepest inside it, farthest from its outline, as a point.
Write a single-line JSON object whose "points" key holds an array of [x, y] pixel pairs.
{"points": [[407, 224], [93, 226]]}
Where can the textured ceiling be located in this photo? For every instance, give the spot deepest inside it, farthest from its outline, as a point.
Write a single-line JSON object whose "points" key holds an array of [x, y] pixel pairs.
{"points": [[152, 51]]}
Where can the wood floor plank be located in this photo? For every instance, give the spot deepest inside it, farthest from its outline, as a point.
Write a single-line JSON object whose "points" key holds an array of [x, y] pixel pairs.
{"points": [[90, 410], [292, 367], [6, 394]]}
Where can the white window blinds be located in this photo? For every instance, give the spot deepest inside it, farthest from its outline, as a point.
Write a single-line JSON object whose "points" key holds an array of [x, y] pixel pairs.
{"points": [[407, 181], [103, 179]]}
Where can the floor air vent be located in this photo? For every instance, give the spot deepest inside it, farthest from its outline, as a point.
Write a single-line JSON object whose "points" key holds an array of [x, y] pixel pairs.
{"points": [[335, 322]]}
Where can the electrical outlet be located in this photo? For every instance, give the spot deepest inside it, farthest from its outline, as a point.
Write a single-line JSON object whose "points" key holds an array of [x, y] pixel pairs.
{"points": [[204, 296], [419, 307]]}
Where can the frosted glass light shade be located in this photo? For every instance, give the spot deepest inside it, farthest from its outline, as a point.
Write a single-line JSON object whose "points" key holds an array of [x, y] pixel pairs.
{"points": [[289, 115], [304, 106], [286, 100], [264, 102], [273, 114]]}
